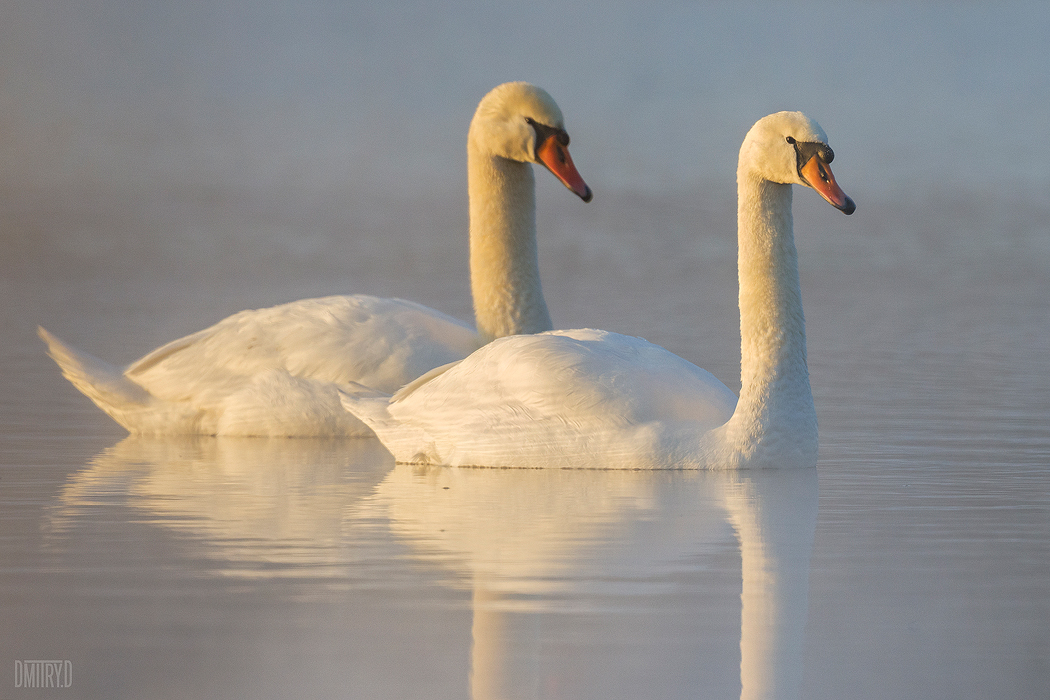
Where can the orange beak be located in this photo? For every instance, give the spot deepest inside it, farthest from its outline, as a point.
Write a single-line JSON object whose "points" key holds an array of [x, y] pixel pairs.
{"points": [[818, 175], [557, 159]]}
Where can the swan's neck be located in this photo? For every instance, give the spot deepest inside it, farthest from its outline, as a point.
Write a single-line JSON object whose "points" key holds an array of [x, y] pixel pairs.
{"points": [[775, 414], [504, 266]]}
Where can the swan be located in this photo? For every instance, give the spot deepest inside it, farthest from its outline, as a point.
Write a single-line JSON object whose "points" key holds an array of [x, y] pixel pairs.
{"points": [[593, 399], [274, 372]]}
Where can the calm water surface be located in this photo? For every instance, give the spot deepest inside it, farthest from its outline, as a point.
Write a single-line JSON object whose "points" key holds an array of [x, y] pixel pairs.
{"points": [[159, 187]]}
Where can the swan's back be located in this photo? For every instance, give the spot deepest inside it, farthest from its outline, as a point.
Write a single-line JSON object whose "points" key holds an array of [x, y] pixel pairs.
{"points": [[381, 343], [564, 398], [271, 372]]}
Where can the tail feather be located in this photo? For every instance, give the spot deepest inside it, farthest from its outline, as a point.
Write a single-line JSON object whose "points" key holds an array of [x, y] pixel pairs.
{"points": [[103, 383], [403, 440]]}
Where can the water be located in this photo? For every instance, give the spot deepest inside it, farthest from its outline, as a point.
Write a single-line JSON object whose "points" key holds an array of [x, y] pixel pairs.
{"points": [[165, 167]]}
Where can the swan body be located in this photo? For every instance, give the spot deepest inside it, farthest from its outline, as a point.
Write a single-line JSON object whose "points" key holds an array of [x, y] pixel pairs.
{"points": [[275, 371], [591, 399]]}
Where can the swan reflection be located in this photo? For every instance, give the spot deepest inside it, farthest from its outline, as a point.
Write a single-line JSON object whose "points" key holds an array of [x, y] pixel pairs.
{"points": [[524, 540], [256, 507], [526, 544]]}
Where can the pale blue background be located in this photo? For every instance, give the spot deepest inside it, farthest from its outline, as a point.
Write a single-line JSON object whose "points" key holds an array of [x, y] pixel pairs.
{"points": [[165, 164]]}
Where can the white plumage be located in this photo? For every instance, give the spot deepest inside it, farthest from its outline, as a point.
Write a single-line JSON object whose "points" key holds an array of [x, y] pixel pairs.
{"points": [[275, 371], [581, 398], [591, 399]]}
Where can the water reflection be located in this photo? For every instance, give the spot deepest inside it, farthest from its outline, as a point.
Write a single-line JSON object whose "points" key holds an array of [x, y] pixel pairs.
{"points": [[527, 540], [256, 507], [526, 544]]}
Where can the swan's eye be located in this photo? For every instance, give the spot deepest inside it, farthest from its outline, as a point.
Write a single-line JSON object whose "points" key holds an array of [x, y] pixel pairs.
{"points": [[791, 140]]}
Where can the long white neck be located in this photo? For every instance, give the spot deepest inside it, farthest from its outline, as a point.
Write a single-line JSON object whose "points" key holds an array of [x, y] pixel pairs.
{"points": [[775, 414], [504, 264]]}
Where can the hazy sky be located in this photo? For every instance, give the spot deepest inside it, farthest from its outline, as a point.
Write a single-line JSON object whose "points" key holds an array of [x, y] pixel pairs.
{"points": [[315, 94]]}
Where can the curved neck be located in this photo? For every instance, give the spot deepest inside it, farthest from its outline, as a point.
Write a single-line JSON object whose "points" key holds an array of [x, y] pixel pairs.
{"points": [[776, 403], [504, 263]]}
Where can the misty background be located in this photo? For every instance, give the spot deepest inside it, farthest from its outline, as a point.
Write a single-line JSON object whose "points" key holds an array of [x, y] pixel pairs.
{"points": [[166, 164]]}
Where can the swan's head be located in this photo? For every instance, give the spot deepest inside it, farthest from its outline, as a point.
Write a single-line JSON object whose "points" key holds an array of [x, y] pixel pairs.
{"points": [[792, 149], [521, 122]]}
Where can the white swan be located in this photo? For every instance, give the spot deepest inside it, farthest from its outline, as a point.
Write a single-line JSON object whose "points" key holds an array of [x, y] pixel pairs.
{"points": [[274, 372], [592, 399]]}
